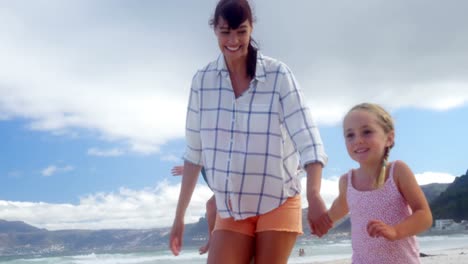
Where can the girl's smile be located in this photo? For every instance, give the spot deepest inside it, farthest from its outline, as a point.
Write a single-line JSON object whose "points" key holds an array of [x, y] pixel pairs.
{"points": [[365, 138]]}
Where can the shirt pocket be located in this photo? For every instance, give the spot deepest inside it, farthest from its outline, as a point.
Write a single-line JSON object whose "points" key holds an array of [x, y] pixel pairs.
{"points": [[253, 118]]}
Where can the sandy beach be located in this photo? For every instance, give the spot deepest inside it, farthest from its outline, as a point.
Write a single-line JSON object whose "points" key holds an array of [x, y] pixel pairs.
{"points": [[448, 256]]}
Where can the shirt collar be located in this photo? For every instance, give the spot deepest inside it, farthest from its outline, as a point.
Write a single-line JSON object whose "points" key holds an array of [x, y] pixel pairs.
{"points": [[260, 74]]}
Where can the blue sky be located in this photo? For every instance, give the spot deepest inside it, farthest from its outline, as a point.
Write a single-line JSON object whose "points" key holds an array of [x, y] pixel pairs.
{"points": [[93, 96]]}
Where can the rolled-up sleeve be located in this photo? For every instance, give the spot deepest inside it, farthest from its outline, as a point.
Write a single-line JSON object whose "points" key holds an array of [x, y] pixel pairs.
{"points": [[298, 120], [193, 150]]}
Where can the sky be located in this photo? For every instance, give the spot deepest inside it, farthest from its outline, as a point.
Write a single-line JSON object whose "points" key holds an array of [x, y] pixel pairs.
{"points": [[93, 96]]}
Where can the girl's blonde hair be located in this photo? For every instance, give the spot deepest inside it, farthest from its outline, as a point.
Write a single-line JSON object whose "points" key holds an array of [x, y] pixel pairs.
{"points": [[385, 120]]}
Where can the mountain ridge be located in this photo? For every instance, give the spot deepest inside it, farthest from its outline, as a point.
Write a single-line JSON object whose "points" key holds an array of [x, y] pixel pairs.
{"points": [[18, 238]]}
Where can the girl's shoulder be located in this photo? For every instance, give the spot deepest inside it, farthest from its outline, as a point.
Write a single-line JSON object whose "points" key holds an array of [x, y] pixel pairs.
{"points": [[401, 172], [344, 179], [399, 168]]}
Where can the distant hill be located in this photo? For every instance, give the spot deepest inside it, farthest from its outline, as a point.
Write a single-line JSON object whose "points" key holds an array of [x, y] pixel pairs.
{"points": [[433, 190], [20, 239], [453, 202], [17, 227]]}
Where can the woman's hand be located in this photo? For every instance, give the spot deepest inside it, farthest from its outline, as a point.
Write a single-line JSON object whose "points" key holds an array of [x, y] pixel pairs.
{"points": [[321, 226], [318, 222], [175, 239]]}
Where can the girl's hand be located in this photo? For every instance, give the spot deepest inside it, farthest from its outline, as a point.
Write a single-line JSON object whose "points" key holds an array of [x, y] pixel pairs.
{"points": [[177, 170], [377, 228], [322, 224]]}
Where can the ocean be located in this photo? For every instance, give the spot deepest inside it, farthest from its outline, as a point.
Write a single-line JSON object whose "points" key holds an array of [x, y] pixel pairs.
{"points": [[314, 251]]}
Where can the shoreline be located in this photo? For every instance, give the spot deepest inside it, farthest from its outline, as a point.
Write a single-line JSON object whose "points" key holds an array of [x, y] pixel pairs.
{"points": [[446, 256]]}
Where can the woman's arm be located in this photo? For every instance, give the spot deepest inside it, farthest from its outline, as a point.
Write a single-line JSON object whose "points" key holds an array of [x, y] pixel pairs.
{"points": [[192, 156], [189, 180], [316, 206]]}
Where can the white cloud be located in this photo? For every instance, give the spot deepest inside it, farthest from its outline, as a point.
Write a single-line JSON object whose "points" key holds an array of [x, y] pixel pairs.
{"points": [[49, 170], [70, 66], [105, 152], [52, 169], [434, 177], [125, 93], [147, 208], [172, 158]]}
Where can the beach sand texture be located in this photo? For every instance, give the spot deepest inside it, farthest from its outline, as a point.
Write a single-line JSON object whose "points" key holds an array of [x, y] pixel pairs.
{"points": [[448, 256]]}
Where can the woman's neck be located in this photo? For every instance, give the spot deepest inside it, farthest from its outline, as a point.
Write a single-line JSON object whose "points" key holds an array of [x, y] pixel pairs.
{"points": [[239, 77], [237, 67]]}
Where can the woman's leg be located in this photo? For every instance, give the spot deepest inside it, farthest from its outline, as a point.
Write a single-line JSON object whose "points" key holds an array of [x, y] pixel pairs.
{"points": [[230, 247], [277, 231], [274, 247]]}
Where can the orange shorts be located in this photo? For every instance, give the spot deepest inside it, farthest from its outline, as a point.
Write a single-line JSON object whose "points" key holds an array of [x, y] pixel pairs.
{"points": [[286, 218]]}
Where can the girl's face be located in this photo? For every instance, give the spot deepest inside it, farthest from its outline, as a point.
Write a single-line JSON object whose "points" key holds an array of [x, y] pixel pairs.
{"points": [[233, 43], [365, 138]]}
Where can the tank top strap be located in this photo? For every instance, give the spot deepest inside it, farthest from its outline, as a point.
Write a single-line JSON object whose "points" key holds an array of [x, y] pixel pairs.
{"points": [[350, 178], [392, 167]]}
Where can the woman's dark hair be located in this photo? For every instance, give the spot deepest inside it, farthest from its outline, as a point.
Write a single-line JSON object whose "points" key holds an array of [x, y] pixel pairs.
{"points": [[235, 12]]}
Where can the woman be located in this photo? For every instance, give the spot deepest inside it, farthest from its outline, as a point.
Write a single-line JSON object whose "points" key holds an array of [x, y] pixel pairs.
{"points": [[248, 125]]}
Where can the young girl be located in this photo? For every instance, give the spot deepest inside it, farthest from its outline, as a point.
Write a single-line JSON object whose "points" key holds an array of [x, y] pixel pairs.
{"points": [[386, 204]]}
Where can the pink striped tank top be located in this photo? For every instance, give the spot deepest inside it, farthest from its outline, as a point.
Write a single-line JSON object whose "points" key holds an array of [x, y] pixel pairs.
{"points": [[385, 204]]}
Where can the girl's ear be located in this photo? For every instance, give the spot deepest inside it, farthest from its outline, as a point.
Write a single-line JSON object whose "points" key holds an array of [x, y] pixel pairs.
{"points": [[390, 139]]}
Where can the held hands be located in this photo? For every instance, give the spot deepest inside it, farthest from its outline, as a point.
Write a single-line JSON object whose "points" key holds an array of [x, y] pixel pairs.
{"points": [[377, 228], [321, 226], [318, 218]]}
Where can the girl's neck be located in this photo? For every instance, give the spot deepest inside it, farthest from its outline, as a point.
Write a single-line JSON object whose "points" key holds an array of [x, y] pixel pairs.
{"points": [[370, 171]]}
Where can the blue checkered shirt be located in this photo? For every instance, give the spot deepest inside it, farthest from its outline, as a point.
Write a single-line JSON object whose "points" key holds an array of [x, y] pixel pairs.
{"points": [[250, 146]]}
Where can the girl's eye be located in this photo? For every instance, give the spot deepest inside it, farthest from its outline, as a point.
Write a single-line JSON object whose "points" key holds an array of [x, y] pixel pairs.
{"points": [[242, 32], [225, 32], [367, 132], [349, 135]]}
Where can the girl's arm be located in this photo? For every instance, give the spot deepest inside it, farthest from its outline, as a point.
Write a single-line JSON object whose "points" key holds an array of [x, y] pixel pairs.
{"points": [[419, 221], [339, 208]]}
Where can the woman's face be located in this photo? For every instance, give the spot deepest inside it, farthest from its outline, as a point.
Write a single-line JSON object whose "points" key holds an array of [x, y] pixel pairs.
{"points": [[233, 43]]}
